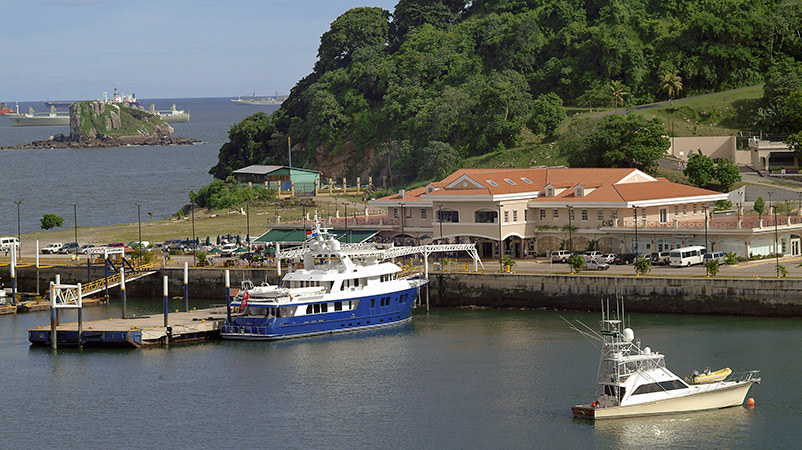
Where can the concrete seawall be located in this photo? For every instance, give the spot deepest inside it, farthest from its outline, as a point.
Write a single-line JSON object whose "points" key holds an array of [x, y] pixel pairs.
{"points": [[755, 297]]}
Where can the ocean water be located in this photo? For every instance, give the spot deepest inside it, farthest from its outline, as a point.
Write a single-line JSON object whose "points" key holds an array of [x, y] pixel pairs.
{"points": [[106, 183], [450, 379]]}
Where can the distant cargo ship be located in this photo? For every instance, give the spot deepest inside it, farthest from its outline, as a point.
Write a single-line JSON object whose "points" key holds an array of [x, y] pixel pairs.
{"points": [[32, 119], [260, 101], [4, 109]]}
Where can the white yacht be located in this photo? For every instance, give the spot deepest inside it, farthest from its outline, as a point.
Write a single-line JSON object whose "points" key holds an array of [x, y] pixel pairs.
{"points": [[634, 381]]}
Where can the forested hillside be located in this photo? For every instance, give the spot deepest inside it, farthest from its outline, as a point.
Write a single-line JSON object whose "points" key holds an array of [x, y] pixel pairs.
{"points": [[414, 91]]}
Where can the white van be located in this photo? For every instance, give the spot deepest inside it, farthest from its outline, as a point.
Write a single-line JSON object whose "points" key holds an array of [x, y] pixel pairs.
{"points": [[686, 256], [7, 242]]}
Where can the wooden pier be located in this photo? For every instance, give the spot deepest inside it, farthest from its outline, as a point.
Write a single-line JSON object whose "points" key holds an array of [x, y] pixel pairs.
{"points": [[136, 331]]}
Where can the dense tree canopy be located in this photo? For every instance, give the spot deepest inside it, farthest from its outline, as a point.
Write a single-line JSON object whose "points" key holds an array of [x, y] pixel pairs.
{"points": [[470, 74]]}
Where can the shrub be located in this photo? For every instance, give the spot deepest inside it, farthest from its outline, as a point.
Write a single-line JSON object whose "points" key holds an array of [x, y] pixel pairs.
{"points": [[643, 265], [712, 267], [730, 259], [577, 263]]}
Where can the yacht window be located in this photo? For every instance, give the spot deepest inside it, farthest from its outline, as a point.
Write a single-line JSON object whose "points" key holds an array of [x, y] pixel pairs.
{"points": [[309, 309], [316, 308], [660, 386], [338, 306], [324, 307], [372, 302]]}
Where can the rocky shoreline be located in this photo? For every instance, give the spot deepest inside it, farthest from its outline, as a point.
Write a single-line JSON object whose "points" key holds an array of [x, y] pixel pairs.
{"points": [[96, 124], [60, 141]]}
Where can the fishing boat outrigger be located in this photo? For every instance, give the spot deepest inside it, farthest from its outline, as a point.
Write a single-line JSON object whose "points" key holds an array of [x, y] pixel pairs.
{"points": [[634, 381]]}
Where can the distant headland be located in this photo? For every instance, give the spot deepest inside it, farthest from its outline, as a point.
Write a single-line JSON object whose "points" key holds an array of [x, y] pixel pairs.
{"points": [[96, 123]]}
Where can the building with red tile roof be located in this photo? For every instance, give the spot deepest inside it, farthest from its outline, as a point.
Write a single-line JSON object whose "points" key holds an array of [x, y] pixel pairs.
{"points": [[550, 208]]}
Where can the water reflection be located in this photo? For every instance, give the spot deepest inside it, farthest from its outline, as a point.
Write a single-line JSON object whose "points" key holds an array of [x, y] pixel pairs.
{"points": [[697, 429]]}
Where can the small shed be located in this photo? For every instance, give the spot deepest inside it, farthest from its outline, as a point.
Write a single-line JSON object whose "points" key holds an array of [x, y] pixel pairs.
{"points": [[280, 177]]}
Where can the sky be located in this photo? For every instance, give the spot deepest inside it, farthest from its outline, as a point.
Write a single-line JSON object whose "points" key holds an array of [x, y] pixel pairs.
{"points": [[77, 49]]}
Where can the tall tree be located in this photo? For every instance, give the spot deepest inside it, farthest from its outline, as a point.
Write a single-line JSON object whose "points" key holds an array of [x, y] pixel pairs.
{"points": [[671, 83], [700, 169], [617, 91], [727, 174]]}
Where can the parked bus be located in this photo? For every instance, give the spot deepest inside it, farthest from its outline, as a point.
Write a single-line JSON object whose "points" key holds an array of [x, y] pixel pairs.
{"points": [[686, 256]]}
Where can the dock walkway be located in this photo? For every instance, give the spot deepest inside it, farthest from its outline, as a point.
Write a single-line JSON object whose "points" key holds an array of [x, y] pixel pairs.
{"points": [[136, 331]]}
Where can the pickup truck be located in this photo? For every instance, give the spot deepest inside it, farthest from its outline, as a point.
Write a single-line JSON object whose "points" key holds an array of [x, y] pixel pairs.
{"points": [[52, 247]]}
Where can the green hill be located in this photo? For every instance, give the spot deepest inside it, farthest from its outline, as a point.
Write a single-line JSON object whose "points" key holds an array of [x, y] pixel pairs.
{"points": [[438, 84]]}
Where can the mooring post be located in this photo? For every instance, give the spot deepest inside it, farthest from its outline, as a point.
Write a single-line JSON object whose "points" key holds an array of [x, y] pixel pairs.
{"points": [[186, 286], [122, 288], [88, 267], [278, 260], [426, 276], [13, 268], [53, 339], [167, 328], [58, 313], [228, 298], [37, 268], [80, 319]]}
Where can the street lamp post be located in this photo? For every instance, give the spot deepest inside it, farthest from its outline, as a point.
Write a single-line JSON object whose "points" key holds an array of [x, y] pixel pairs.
{"points": [[194, 247], [440, 219], [402, 222], [570, 230], [19, 235], [139, 222], [704, 208], [776, 246], [635, 212], [75, 221], [248, 225]]}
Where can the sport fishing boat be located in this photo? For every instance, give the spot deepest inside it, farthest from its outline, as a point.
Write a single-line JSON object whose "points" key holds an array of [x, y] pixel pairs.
{"points": [[342, 287], [634, 381]]}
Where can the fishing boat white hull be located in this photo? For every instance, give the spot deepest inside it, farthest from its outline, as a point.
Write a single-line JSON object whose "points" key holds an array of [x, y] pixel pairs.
{"points": [[723, 396]]}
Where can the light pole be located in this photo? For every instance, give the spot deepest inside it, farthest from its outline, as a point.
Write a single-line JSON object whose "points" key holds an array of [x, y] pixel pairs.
{"points": [[75, 221], [500, 241], [704, 208], [635, 212], [248, 225], [194, 248], [19, 238], [139, 221], [402, 221], [570, 230], [440, 219], [770, 207], [776, 246]]}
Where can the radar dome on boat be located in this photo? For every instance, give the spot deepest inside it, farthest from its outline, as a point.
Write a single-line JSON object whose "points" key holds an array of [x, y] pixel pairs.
{"points": [[629, 335], [647, 351], [334, 245]]}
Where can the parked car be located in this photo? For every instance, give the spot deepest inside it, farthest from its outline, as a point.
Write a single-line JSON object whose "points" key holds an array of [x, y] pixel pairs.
{"points": [[560, 256], [593, 264], [131, 244], [607, 258], [52, 247], [718, 256], [228, 249], [7, 242], [251, 256], [116, 245], [592, 255], [660, 258], [82, 250], [69, 247], [627, 258]]}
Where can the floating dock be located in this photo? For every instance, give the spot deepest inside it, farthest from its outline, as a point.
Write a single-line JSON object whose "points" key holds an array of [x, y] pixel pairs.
{"points": [[136, 332]]}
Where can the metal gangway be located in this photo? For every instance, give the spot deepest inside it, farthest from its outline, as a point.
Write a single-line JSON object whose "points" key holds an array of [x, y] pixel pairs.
{"points": [[132, 272], [370, 250]]}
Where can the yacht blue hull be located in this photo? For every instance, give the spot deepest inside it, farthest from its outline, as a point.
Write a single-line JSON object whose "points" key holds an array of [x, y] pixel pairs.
{"points": [[397, 310]]}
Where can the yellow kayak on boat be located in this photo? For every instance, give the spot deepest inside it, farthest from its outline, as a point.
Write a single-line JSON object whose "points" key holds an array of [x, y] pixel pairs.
{"points": [[711, 377]]}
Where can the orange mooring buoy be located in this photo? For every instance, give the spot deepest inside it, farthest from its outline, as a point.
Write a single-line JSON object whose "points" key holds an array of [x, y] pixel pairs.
{"points": [[751, 402]]}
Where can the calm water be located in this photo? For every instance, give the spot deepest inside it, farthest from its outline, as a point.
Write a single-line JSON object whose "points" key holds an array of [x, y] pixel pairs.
{"points": [[106, 183], [450, 379]]}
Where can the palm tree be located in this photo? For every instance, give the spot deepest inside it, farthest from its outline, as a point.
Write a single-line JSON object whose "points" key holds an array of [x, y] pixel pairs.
{"points": [[672, 84], [618, 92]]}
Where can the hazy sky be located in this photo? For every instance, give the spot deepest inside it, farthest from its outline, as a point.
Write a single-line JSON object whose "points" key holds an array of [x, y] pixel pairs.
{"points": [[76, 49]]}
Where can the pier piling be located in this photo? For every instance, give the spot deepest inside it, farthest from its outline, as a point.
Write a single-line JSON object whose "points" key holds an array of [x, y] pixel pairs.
{"points": [[186, 286], [228, 297], [13, 267], [167, 335], [122, 287]]}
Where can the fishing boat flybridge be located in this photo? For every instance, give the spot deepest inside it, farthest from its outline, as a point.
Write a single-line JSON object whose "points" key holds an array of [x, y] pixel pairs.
{"points": [[342, 287], [634, 381]]}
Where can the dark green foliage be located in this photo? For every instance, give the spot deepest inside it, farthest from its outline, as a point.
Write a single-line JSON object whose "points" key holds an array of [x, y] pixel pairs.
{"points": [[616, 141], [760, 205], [700, 169], [547, 114], [250, 142], [49, 221], [466, 73], [727, 174], [221, 194], [723, 205]]}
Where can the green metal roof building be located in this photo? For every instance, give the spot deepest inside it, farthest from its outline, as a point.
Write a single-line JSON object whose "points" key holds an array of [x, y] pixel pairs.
{"points": [[305, 180]]}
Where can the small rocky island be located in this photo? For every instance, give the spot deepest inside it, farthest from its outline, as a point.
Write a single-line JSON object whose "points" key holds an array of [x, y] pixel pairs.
{"points": [[97, 123]]}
